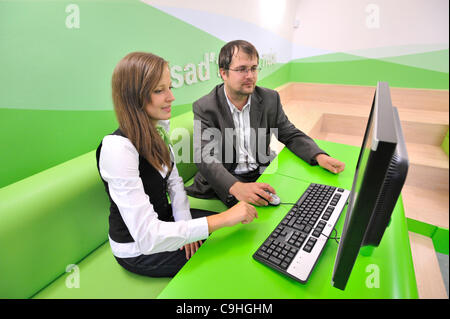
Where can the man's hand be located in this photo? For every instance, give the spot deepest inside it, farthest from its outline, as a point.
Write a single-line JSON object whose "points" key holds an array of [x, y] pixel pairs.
{"points": [[333, 165], [248, 192]]}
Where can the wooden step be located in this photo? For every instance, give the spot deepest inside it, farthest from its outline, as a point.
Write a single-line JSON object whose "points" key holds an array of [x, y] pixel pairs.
{"points": [[414, 132], [427, 177], [424, 133], [428, 163], [317, 92], [403, 98], [426, 266], [339, 138], [426, 205], [423, 116], [422, 140], [407, 115], [427, 155], [303, 117], [420, 99]]}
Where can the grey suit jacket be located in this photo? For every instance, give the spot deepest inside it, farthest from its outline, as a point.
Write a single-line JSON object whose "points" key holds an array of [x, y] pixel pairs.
{"points": [[215, 144]]}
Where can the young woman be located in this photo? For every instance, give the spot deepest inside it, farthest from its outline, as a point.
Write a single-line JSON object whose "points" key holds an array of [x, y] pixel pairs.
{"points": [[147, 234]]}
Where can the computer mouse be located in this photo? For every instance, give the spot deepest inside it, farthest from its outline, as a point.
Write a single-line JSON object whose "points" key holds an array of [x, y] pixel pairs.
{"points": [[275, 199]]}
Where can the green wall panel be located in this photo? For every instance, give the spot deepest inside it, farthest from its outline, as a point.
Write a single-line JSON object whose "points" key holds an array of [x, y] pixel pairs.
{"points": [[34, 140], [55, 95], [46, 65], [360, 71], [281, 76]]}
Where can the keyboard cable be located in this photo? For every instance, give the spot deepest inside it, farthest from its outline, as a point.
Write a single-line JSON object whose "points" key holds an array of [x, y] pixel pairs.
{"points": [[335, 237]]}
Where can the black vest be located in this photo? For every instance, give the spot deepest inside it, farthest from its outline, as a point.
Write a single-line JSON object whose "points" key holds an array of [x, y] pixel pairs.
{"points": [[155, 186]]}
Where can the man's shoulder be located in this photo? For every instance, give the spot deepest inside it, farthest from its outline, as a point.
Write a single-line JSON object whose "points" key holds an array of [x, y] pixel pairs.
{"points": [[266, 96], [265, 92], [210, 98]]}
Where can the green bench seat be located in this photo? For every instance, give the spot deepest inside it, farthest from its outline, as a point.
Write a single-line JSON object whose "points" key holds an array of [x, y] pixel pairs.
{"points": [[59, 217]]}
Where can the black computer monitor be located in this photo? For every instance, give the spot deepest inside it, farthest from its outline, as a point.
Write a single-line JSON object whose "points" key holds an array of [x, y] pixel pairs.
{"points": [[380, 174]]}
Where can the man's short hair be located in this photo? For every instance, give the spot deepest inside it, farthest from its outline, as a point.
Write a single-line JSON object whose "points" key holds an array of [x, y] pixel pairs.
{"points": [[231, 48]]}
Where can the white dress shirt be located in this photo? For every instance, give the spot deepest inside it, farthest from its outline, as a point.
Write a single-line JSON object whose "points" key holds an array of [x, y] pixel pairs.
{"points": [[119, 167], [241, 119]]}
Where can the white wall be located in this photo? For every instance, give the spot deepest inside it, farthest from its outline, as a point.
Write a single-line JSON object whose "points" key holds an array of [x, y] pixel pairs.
{"points": [[275, 16], [368, 28], [394, 27], [265, 23]]}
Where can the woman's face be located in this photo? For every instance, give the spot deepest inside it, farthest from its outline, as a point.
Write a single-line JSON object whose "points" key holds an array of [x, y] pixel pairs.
{"points": [[161, 99]]}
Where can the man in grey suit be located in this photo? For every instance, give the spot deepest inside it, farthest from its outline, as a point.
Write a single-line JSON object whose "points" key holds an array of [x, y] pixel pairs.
{"points": [[232, 130]]}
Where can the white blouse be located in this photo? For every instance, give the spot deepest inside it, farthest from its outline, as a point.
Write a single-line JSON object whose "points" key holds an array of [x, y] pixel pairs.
{"points": [[119, 167]]}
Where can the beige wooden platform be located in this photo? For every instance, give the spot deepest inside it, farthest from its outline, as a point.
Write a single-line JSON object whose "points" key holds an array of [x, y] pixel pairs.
{"points": [[339, 113], [426, 266]]}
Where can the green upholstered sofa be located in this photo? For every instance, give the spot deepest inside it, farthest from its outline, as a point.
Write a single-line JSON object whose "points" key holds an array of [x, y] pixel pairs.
{"points": [[54, 232]]}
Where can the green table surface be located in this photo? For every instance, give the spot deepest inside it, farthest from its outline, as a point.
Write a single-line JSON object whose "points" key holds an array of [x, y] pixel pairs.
{"points": [[224, 267], [287, 164]]}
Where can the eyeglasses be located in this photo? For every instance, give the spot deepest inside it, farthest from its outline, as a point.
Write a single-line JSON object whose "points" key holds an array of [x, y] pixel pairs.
{"points": [[243, 70]]}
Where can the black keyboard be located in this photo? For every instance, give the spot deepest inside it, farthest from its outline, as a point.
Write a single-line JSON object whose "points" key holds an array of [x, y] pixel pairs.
{"points": [[297, 242]]}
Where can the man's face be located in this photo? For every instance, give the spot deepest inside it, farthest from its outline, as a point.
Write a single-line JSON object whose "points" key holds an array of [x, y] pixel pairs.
{"points": [[236, 81]]}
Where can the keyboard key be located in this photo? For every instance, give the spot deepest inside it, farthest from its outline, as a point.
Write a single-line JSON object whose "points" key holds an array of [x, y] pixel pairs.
{"points": [[288, 259], [284, 265], [307, 248], [263, 254], [274, 260]]}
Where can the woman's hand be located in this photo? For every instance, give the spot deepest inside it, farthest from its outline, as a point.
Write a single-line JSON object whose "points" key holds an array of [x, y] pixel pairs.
{"points": [[191, 248], [240, 213]]}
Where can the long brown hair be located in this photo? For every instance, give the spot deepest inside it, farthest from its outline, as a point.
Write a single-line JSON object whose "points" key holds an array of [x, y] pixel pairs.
{"points": [[133, 80]]}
